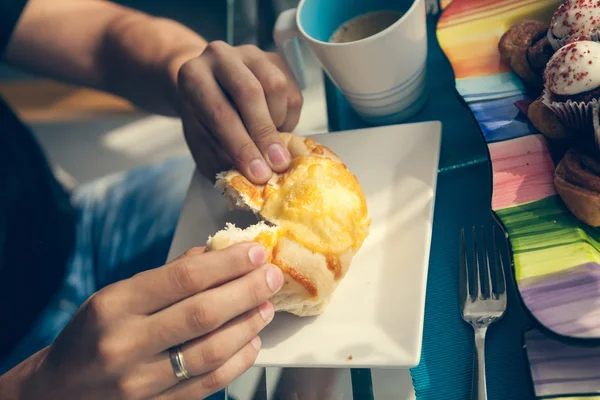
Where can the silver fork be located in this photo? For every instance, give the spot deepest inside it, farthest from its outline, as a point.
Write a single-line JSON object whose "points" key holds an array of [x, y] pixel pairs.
{"points": [[432, 7], [486, 305]]}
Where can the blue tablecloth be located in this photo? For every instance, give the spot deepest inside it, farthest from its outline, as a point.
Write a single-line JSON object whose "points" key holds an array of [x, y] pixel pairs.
{"points": [[463, 199]]}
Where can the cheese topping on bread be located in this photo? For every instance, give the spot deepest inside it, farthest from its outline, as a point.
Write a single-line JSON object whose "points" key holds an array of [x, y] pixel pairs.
{"points": [[318, 203], [318, 216]]}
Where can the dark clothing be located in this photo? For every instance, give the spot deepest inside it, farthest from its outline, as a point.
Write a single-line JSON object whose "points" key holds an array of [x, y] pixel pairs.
{"points": [[37, 221]]}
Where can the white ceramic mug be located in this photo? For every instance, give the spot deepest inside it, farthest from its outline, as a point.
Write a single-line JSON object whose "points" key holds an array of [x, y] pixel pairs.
{"points": [[383, 76]]}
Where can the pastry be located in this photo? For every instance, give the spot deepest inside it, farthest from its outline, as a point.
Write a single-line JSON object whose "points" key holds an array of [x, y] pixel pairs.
{"points": [[572, 84], [526, 50], [549, 125], [574, 20], [539, 52], [577, 181], [315, 221], [573, 73]]}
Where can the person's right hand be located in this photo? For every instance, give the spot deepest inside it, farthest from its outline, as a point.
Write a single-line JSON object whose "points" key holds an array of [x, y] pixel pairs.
{"points": [[117, 345], [233, 102]]}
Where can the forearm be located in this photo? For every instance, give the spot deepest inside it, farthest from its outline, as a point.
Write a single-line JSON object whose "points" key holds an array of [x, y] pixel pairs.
{"points": [[140, 58], [20, 382], [105, 46]]}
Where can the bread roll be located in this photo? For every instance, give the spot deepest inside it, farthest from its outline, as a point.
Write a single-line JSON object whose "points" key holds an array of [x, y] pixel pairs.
{"points": [[315, 220]]}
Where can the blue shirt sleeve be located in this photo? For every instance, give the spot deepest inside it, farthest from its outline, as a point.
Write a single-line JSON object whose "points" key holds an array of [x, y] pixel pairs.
{"points": [[10, 11]]}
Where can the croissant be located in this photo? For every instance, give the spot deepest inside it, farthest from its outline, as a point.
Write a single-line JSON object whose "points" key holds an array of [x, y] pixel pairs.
{"points": [[526, 50], [316, 221], [577, 181]]}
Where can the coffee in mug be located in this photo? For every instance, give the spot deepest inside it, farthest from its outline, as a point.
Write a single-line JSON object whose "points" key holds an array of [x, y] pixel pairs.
{"points": [[364, 26], [374, 52]]}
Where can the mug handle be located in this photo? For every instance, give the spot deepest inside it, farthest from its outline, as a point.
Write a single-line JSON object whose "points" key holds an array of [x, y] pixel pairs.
{"points": [[286, 36]]}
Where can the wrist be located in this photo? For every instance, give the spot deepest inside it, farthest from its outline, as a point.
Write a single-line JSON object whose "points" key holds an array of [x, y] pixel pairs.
{"points": [[140, 58], [173, 66]]}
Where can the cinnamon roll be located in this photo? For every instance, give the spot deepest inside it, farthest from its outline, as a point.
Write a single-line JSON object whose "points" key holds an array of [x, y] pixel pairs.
{"points": [[577, 181], [526, 50]]}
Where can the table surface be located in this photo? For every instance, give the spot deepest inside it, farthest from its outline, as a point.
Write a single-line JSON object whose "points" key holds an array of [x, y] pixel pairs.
{"points": [[443, 373], [458, 205], [463, 200]]}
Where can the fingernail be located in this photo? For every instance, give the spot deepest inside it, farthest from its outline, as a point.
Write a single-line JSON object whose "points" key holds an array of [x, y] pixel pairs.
{"points": [[258, 255], [274, 278], [266, 311], [256, 342], [259, 169], [277, 155]]}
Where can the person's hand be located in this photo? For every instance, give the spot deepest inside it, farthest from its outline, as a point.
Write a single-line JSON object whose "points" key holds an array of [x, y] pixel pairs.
{"points": [[233, 102], [117, 345]]}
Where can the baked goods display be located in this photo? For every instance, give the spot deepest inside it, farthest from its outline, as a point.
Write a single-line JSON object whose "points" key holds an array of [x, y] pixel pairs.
{"points": [[560, 65], [314, 220]]}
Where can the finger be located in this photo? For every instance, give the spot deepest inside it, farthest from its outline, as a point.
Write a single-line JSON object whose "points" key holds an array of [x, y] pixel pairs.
{"points": [[205, 96], [210, 352], [220, 162], [210, 158], [199, 136], [208, 311], [295, 99], [209, 383], [193, 272], [224, 161], [275, 86], [249, 97]]}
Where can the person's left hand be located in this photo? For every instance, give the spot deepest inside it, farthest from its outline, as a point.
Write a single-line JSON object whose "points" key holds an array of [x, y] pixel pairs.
{"points": [[233, 103]]}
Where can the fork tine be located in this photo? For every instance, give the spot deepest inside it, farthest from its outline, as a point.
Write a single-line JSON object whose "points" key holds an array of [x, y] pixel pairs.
{"points": [[476, 258], [465, 290], [488, 271], [499, 264]]}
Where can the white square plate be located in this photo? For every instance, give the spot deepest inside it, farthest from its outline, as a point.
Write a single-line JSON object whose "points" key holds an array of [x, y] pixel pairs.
{"points": [[376, 316]]}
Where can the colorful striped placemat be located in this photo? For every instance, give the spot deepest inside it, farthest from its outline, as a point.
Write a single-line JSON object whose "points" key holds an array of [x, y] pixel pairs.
{"points": [[557, 258]]}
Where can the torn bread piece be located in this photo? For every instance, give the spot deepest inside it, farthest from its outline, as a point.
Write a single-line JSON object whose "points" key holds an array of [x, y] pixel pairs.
{"points": [[314, 220]]}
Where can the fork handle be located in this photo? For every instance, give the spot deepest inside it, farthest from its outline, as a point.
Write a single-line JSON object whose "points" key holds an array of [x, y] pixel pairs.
{"points": [[479, 389]]}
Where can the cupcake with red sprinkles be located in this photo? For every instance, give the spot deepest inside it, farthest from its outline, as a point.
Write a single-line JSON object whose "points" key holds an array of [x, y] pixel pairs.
{"points": [[575, 20], [572, 84]]}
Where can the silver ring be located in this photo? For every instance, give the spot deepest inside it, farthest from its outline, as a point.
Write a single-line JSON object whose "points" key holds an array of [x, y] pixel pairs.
{"points": [[178, 363]]}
